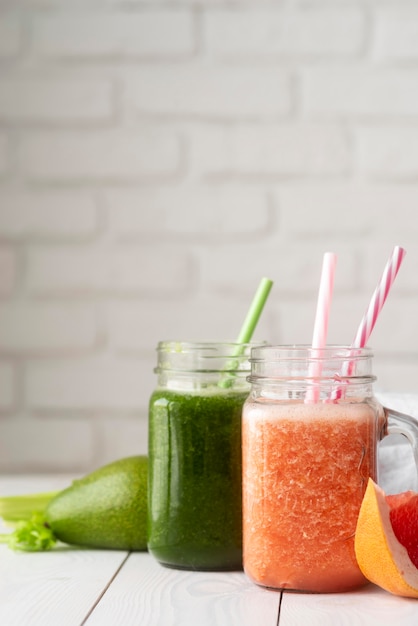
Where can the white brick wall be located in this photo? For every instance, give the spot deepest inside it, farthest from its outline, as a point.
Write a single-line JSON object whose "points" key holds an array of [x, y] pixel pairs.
{"points": [[360, 92], [156, 160], [47, 214], [54, 100], [389, 153], [96, 384], [7, 387], [156, 34], [106, 156], [211, 92], [3, 155], [47, 328], [396, 34], [127, 270], [10, 36], [198, 212], [270, 150], [280, 32], [8, 270]]}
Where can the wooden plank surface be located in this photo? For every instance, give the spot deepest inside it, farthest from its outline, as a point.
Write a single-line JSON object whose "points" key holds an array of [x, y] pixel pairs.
{"points": [[76, 587], [146, 593], [370, 606], [56, 588], [53, 588]]}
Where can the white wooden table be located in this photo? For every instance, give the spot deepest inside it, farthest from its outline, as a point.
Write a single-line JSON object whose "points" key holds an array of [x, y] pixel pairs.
{"points": [[74, 587]]}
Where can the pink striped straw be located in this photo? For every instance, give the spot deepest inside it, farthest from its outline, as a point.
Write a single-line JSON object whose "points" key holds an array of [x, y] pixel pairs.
{"points": [[378, 298], [375, 306], [319, 338]]}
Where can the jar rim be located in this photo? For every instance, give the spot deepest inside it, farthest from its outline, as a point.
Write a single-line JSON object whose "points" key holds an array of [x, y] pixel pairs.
{"points": [[177, 346], [300, 364], [295, 352], [204, 357], [294, 380]]}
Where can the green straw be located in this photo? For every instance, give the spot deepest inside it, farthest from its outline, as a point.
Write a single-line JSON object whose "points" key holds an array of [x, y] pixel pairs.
{"points": [[248, 327], [254, 311]]}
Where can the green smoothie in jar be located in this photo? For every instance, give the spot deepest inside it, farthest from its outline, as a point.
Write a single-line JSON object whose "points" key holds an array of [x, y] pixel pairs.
{"points": [[195, 494]]}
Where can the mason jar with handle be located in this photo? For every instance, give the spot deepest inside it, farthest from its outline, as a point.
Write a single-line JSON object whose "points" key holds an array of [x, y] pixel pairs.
{"points": [[309, 446]]}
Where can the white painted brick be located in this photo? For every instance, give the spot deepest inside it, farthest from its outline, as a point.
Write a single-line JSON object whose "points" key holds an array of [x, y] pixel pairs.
{"points": [[254, 188], [8, 270], [297, 317], [4, 159], [196, 211], [89, 384], [347, 210], [54, 101], [294, 266], [272, 150], [270, 31], [395, 331], [45, 328], [10, 36], [132, 213], [207, 91], [43, 444], [360, 92], [393, 334], [127, 270], [104, 156], [123, 436], [396, 34], [395, 374], [389, 153], [47, 214], [295, 320], [7, 386], [323, 209], [160, 33], [59, 4], [186, 320]]}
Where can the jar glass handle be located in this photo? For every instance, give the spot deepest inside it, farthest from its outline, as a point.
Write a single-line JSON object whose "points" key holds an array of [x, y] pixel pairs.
{"points": [[406, 425]]}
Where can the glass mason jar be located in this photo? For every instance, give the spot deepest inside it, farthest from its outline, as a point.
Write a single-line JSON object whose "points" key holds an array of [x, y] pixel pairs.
{"points": [[195, 479], [310, 431]]}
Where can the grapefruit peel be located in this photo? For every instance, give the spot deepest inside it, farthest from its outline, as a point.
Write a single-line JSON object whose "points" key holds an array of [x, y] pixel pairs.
{"points": [[381, 557]]}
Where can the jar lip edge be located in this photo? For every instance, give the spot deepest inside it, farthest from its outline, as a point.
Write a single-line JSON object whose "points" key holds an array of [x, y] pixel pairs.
{"points": [[301, 351], [195, 345], [287, 380], [173, 371]]}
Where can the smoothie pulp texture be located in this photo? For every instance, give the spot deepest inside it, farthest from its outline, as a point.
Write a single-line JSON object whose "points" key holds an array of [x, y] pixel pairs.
{"points": [[195, 478], [305, 471]]}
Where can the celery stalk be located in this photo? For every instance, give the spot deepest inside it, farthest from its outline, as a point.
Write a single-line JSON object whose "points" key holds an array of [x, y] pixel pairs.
{"points": [[30, 535], [20, 508], [26, 514]]}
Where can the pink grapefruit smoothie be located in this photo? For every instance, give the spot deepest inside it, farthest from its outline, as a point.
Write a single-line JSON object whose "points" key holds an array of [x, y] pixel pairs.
{"points": [[305, 471]]}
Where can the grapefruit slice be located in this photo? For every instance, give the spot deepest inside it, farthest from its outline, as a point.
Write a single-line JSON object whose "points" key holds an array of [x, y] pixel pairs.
{"points": [[404, 520], [380, 553]]}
